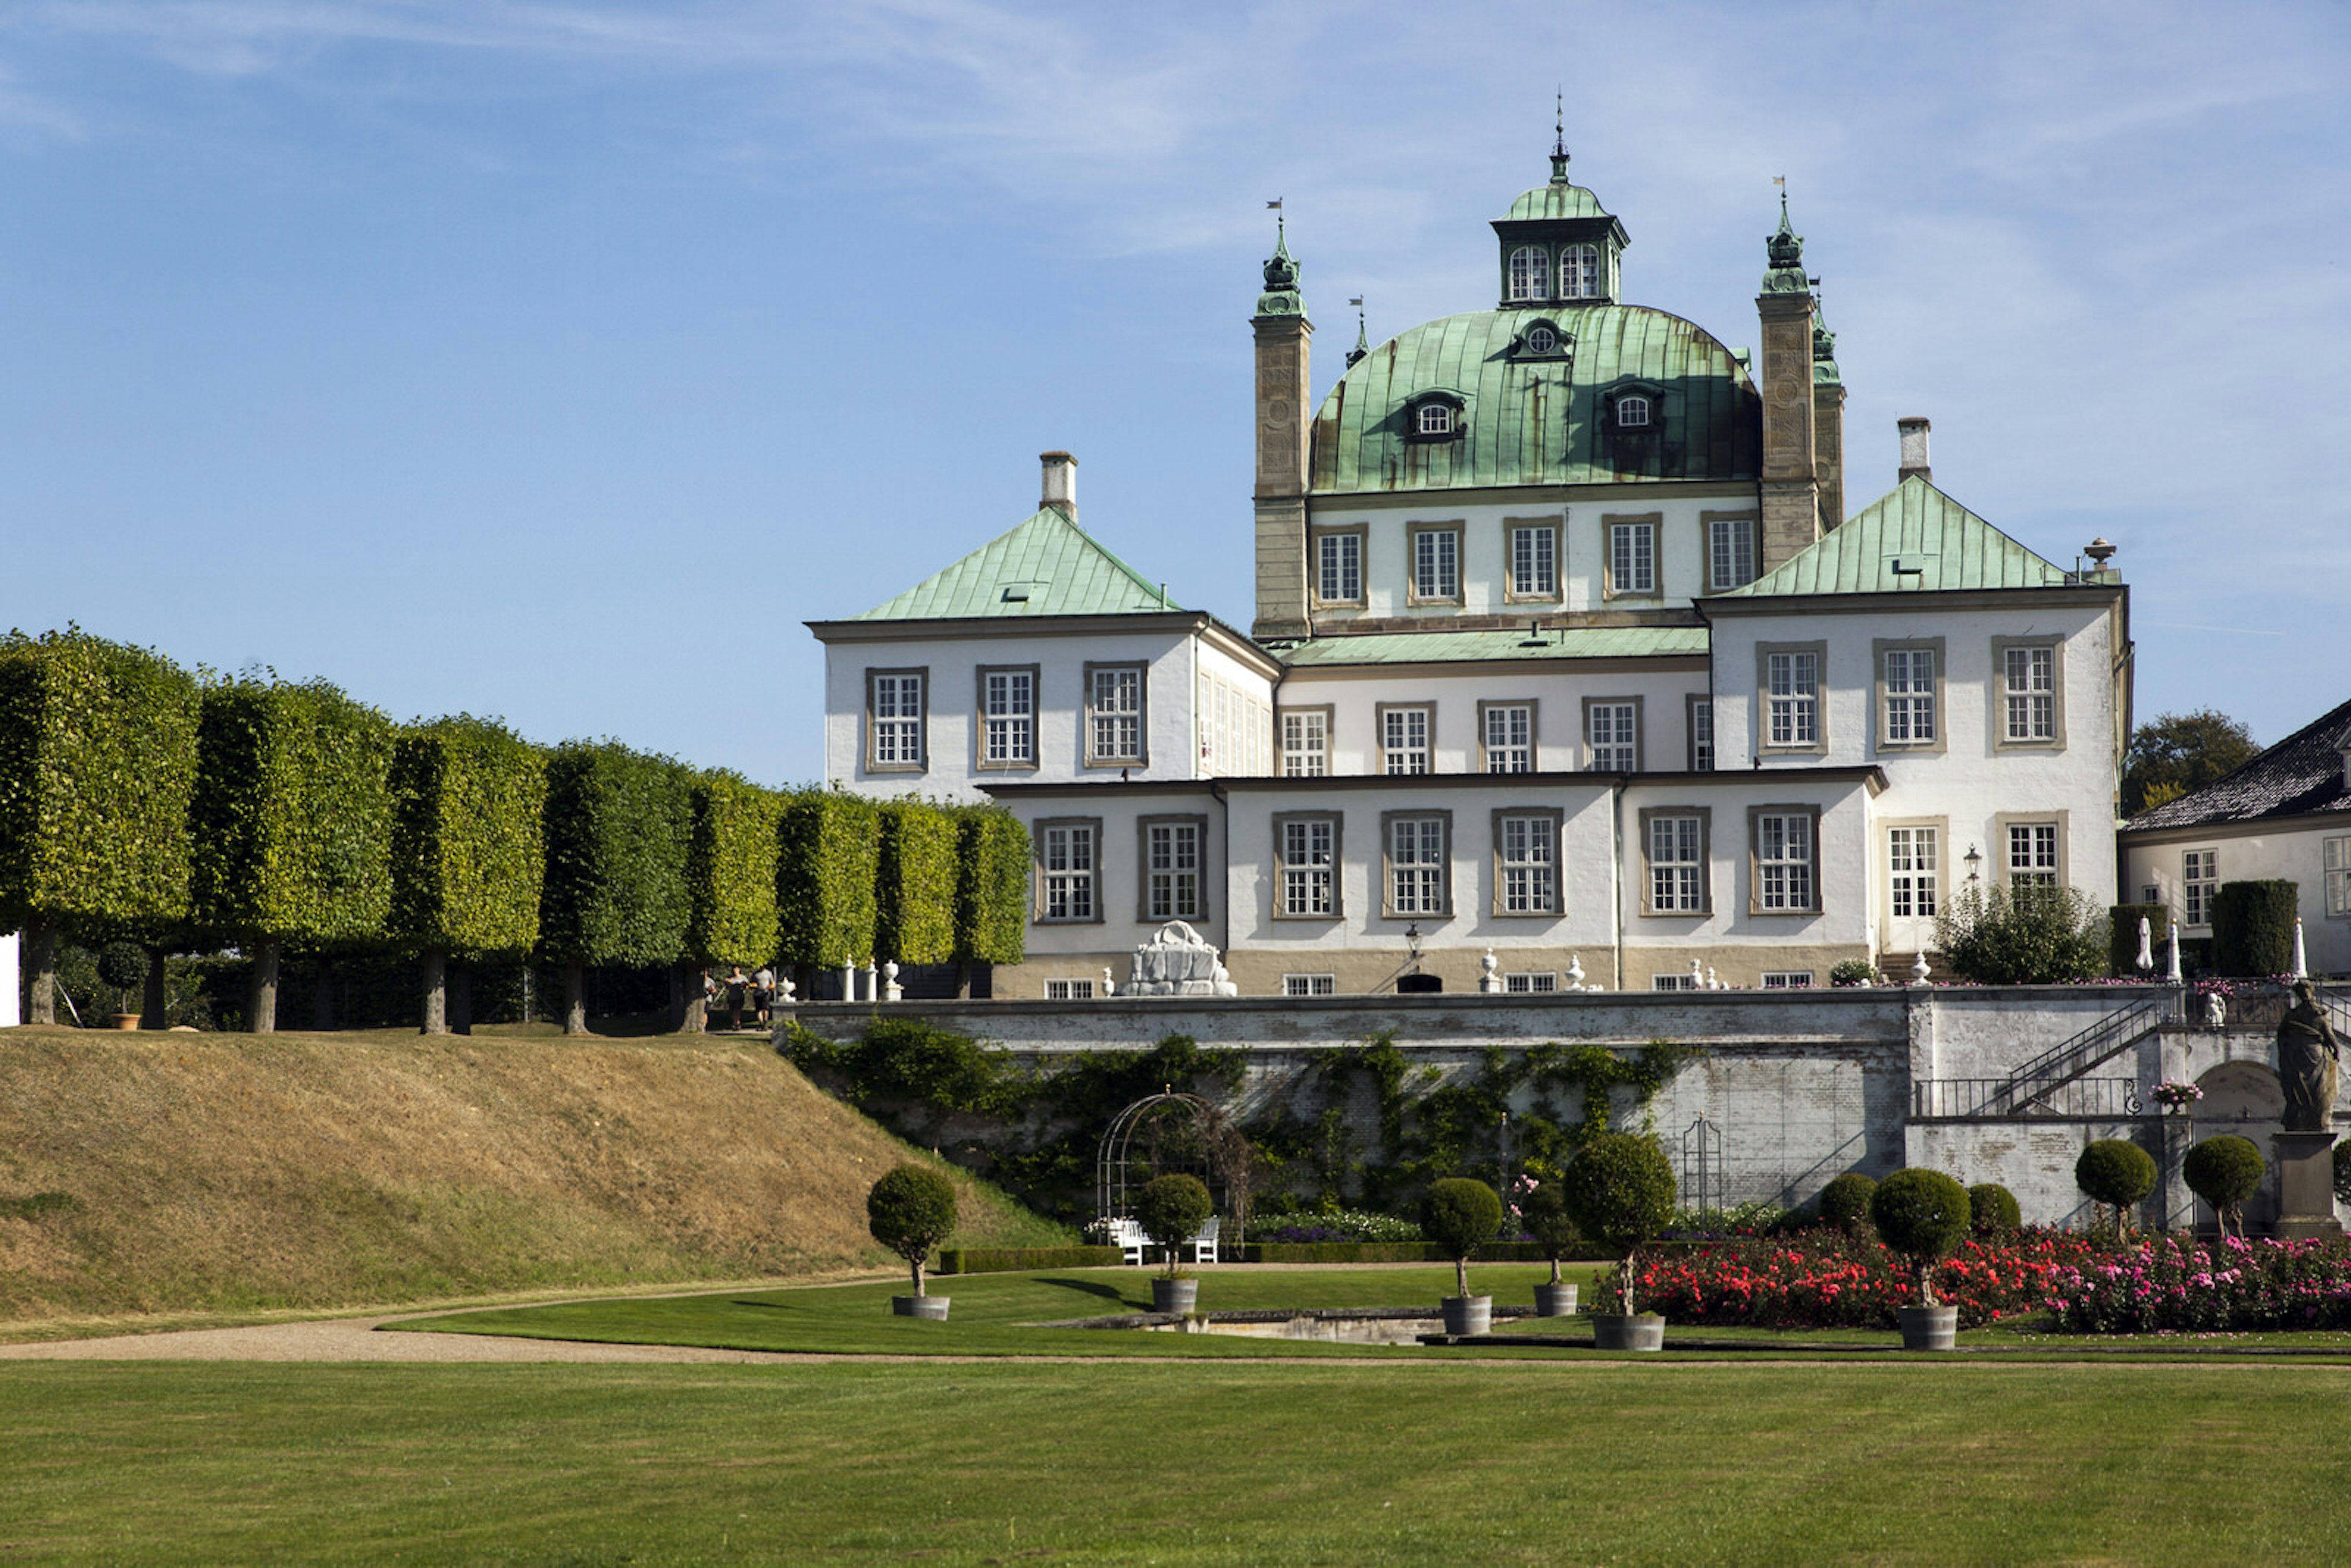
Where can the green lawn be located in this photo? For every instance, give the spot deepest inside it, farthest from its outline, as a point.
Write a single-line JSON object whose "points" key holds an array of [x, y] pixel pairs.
{"points": [[1436, 1461]]}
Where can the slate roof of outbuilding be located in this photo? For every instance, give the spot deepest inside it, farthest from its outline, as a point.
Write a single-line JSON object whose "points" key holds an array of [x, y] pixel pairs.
{"points": [[1917, 526], [1059, 568], [2299, 776]]}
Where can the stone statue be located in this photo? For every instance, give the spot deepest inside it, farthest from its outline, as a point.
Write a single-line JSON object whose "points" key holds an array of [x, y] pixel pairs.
{"points": [[2309, 1053], [1177, 961]]}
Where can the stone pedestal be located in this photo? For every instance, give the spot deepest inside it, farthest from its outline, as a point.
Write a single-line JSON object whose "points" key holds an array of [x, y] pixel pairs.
{"points": [[2305, 1163]]}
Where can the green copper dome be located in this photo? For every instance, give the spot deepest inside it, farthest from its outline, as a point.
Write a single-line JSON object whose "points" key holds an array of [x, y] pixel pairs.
{"points": [[1556, 200]]}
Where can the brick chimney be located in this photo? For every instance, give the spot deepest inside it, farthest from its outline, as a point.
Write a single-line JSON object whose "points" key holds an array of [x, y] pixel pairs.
{"points": [[1914, 449], [1060, 482]]}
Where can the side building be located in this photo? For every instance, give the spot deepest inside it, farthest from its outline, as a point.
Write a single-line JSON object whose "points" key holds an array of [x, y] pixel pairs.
{"points": [[1563, 658]]}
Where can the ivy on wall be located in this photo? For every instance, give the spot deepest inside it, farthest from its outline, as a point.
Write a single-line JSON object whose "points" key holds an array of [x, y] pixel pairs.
{"points": [[916, 876], [617, 823], [730, 871], [468, 855], [828, 843], [97, 761]]}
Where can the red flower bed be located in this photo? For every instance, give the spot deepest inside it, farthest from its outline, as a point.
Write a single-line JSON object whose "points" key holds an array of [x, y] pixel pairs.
{"points": [[1827, 1279]]}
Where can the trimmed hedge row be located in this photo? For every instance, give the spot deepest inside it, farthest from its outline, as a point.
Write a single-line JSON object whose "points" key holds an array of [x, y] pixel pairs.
{"points": [[2253, 927], [730, 871], [831, 845], [467, 858], [1013, 1259]]}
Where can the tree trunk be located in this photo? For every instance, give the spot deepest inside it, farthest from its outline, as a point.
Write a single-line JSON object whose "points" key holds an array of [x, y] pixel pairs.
{"points": [[1461, 1277], [1554, 1271], [1626, 1290], [155, 1003], [436, 964], [963, 982], [322, 998], [575, 996], [686, 987], [917, 1261], [41, 966], [261, 1000], [461, 1001], [1926, 1275]]}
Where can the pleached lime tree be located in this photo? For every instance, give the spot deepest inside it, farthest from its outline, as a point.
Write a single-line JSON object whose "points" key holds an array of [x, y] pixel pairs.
{"points": [[730, 874], [991, 903], [828, 846], [617, 824], [291, 824], [98, 757], [467, 856], [915, 885]]}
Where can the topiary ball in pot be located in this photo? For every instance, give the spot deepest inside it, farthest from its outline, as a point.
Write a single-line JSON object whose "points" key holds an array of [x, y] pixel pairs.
{"points": [[2224, 1172], [1844, 1202], [1171, 1209], [2117, 1173], [1460, 1213], [1620, 1188], [1921, 1214], [123, 966], [1992, 1210], [1543, 1210], [911, 1210]]}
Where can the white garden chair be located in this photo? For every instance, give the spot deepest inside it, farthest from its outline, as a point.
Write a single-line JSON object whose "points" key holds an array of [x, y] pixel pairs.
{"points": [[1204, 1245]]}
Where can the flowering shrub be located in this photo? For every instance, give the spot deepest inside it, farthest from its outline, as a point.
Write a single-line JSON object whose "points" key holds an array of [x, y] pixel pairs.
{"points": [[2175, 1284], [1339, 1225], [1827, 1279], [2173, 1095]]}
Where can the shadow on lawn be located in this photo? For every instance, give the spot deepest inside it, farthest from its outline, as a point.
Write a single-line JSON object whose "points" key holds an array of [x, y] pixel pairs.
{"points": [[1103, 1288]]}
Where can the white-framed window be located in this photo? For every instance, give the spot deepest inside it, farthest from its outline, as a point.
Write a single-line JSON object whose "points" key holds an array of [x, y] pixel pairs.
{"points": [[2150, 893], [1534, 561], [1791, 685], [2029, 683], [1536, 982], [1404, 740], [1435, 418], [1066, 851], [1783, 860], [1436, 563], [1530, 273], [1701, 722], [1633, 557], [1528, 865], [1912, 860], [1417, 865], [1632, 411], [1542, 341], [1069, 991], [1171, 870], [1614, 732], [1676, 866], [897, 740], [1731, 547], [2033, 854], [1307, 852], [1909, 696], [1673, 982], [1509, 737], [1310, 985], [1114, 717], [2335, 860], [2200, 879], [1009, 712], [1787, 979], [1305, 744], [1579, 272], [1339, 559]]}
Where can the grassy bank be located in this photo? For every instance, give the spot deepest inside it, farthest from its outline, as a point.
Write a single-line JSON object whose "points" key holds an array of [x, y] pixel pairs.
{"points": [[178, 1173], [1274, 1464]]}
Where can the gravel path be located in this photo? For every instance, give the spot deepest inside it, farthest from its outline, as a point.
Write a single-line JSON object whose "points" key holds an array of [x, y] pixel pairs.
{"points": [[353, 1339]]}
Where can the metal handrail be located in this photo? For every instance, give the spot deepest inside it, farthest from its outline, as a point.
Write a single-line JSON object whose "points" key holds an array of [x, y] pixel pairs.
{"points": [[1960, 1098], [2103, 1040]]}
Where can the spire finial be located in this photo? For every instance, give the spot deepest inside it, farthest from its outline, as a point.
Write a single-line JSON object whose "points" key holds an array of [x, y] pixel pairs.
{"points": [[1362, 337], [1559, 140], [1785, 250]]}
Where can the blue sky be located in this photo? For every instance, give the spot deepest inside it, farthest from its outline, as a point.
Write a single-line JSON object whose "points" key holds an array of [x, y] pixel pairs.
{"points": [[556, 359]]}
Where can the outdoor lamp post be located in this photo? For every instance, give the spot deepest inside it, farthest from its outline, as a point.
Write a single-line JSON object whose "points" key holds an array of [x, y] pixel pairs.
{"points": [[1412, 940], [1975, 862]]}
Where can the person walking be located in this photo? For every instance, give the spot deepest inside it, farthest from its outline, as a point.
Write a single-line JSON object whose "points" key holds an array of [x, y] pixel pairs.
{"points": [[736, 984], [763, 993]]}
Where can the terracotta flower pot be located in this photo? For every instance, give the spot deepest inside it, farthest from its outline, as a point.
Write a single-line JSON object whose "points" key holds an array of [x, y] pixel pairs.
{"points": [[1928, 1328], [1555, 1300], [1615, 1330], [932, 1308], [1175, 1295], [126, 1021], [1468, 1314]]}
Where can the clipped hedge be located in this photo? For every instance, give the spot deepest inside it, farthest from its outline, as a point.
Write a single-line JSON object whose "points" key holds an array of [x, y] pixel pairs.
{"points": [[730, 871], [1013, 1259], [916, 882], [991, 900], [828, 843], [468, 855], [2253, 927], [292, 813], [617, 823], [1346, 1252], [2121, 940], [97, 761]]}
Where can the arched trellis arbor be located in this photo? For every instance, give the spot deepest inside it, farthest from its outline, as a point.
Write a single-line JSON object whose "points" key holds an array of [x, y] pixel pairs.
{"points": [[1121, 1170]]}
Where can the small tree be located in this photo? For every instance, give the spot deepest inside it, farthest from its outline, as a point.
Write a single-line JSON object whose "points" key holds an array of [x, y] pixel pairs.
{"points": [[1844, 1202], [1460, 1213], [1991, 1210], [2253, 927], [911, 1210], [2030, 935], [1620, 1188], [1921, 1214], [123, 965], [1542, 1209], [2118, 1173], [2224, 1172], [1171, 1210]]}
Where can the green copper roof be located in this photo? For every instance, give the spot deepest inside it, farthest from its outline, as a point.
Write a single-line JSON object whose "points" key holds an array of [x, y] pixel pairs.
{"points": [[1046, 566], [1915, 526], [1540, 421], [1517, 643], [1556, 200]]}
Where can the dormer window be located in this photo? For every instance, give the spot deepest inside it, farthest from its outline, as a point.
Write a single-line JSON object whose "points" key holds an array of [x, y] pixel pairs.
{"points": [[1633, 411], [1580, 274], [1435, 418], [1541, 340], [1531, 273]]}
